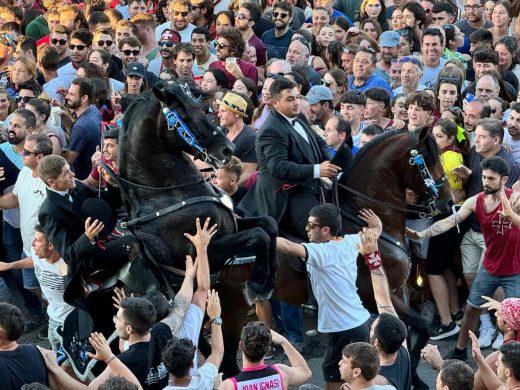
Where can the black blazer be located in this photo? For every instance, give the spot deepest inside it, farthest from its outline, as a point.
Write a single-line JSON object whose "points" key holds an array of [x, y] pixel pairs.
{"points": [[65, 229], [284, 157]]}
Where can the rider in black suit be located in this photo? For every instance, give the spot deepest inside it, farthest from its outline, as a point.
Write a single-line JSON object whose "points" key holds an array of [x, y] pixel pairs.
{"points": [[72, 237], [291, 160]]}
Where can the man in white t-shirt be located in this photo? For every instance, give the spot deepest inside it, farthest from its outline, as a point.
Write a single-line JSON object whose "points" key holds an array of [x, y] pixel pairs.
{"points": [[51, 271], [180, 16], [331, 264]]}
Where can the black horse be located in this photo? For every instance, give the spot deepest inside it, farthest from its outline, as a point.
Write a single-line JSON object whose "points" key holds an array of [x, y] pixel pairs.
{"points": [[164, 192]]}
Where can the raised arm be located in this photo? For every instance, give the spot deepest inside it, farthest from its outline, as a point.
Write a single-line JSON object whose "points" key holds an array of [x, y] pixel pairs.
{"points": [[507, 208], [201, 241], [298, 372], [490, 379], [446, 224], [290, 248], [23, 263], [217, 340]]}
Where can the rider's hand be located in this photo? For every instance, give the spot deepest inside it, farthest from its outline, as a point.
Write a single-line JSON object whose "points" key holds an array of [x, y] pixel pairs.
{"points": [[203, 236], [461, 171], [191, 267], [92, 230], [213, 309], [414, 235], [103, 351], [327, 169]]}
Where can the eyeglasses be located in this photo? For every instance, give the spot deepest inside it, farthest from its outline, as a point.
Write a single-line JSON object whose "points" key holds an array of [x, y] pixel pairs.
{"points": [[312, 225], [281, 15], [403, 32], [444, 79], [61, 42], [166, 43], [448, 27], [79, 47], [454, 110], [103, 43], [25, 99], [472, 7], [241, 16], [181, 13], [29, 153], [221, 45], [128, 52], [327, 83]]}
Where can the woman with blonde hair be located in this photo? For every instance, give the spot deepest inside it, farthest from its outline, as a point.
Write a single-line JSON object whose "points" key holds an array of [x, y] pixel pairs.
{"points": [[23, 70]]}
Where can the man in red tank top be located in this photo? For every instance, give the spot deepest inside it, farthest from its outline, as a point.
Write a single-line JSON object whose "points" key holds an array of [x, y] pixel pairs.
{"points": [[255, 342], [496, 209]]}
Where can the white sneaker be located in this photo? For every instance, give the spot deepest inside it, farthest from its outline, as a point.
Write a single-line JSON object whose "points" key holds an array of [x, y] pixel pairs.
{"points": [[498, 341], [486, 337]]}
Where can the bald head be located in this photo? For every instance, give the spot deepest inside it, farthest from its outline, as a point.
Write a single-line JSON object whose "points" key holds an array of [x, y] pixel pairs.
{"points": [[297, 54], [487, 87]]}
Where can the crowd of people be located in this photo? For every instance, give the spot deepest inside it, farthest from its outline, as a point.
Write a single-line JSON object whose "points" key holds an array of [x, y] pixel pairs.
{"points": [[292, 83]]}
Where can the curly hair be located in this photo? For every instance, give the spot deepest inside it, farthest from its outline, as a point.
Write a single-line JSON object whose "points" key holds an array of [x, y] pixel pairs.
{"points": [[237, 45], [177, 356], [256, 341]]}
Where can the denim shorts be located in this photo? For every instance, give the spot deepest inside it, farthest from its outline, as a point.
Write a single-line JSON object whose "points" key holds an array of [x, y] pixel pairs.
{"points": [[486, 284]]}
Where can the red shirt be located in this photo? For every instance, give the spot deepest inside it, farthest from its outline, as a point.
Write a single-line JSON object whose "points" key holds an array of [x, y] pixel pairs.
{"points": [[502, 239], [248, 70]]}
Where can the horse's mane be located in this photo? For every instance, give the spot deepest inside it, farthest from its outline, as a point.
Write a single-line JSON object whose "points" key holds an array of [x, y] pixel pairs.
{"points": [[428, 148]]}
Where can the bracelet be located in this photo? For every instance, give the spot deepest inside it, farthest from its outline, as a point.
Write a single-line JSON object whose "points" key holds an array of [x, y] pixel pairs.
{"points": [[110, 359], [373, 260]]}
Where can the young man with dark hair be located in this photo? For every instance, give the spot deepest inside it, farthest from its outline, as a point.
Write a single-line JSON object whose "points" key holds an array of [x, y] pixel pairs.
{"points": [[337, 130], [454, 375], [80, 42], [420, 108], [19, 363], [376, 108], [183, 58], [369, 133], [166, 60], [352, 106], [512, 133], [501, 264], [230, 47], [248, 14], [178, 355], [474, 17], [331, 263], [98, 20], [59, 39], [85, 131], [202, 14], [109, 155], [432, 44], [321, 107], [277, 40], [255, 341], [136, 7], [201, 39], [363, 77], [442, 13]]}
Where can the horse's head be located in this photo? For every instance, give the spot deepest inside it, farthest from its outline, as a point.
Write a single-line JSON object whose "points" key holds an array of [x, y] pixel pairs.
{"points": [[189, 127], [428, 172]]}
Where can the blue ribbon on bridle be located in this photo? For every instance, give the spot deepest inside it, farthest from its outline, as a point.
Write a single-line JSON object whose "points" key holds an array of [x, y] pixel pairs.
{"points": [[418, 160], [176, 123]]}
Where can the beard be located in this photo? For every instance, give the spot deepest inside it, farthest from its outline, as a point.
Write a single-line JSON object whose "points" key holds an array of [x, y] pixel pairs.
{"points": [[490, 191], [14, 140], [73, 105]]}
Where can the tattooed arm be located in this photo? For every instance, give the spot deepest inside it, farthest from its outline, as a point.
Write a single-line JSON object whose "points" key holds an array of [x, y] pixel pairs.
{"points": [[446, 224]]}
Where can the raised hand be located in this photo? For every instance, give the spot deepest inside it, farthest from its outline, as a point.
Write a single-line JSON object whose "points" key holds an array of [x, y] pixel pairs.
{"points": [[475, 347], [203, 235], [119, 295], [368, 242], [103, 351], [491, 304], [191, 267], [213, 309], [371, 219]]}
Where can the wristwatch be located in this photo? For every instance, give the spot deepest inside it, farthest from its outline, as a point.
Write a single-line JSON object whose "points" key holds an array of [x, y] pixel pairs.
{"points": [[216, 321]]}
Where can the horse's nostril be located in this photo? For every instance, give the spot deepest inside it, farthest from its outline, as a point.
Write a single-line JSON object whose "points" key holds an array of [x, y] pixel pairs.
{"points": [[227, 152]]}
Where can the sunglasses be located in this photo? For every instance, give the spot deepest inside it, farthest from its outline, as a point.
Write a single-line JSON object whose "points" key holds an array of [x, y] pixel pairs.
{"points": [[128, 52], [327, 83], [454, 110], [368, 48], [301, 39], [79, 47], [448, 27], [103, 43], [241, 16], [281, 15], [405, 60], [275, 76], [445, 79], [166, 43], [25, 99], [404, 32], [348, 50], [312, 225], [61, 42], [179, 13], [221, 45], [28, 152]]}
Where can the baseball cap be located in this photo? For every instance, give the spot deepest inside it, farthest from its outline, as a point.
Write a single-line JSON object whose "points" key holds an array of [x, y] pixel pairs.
{"points": [[135, 69], [389, 39], [235, 103], [318, 93], [170, 35]]}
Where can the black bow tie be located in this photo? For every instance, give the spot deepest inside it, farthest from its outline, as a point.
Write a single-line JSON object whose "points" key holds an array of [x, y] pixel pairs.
{"points": [[294, 121]]}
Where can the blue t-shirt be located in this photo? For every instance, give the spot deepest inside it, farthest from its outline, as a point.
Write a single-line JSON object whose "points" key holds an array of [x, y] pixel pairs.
{"points": [[12, 162], [372, 82], [85, 136], [277, 46]]}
